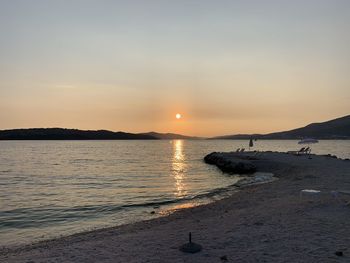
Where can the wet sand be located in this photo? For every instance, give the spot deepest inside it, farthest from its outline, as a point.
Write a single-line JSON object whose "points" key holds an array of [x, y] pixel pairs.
{"points": [[260, 223]]}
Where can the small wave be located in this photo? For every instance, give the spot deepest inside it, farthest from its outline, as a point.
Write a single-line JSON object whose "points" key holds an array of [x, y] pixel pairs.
{"points": [[42, 216]]}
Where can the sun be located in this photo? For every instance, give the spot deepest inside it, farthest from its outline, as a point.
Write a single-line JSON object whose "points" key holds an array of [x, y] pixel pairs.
{"points": [[178, 116]]}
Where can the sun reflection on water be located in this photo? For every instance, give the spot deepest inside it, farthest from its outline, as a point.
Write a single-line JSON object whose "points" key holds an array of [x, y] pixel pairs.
{"points": [[179, 167]]}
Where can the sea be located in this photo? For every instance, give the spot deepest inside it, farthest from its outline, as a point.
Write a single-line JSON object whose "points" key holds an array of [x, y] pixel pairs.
{"points": [[50, 189]]}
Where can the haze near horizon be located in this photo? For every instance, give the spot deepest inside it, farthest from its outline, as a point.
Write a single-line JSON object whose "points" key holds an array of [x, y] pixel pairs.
{"points": [[225, 66]]}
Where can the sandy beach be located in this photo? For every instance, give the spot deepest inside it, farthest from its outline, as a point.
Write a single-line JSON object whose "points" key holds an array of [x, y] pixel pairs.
{"points": [[261, 223]]}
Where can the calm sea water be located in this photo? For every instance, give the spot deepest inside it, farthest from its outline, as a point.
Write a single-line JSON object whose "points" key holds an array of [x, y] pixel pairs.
{"points": [[53, 188]]}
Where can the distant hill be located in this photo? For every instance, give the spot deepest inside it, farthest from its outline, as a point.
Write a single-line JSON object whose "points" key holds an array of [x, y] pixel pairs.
{"points": [[334, 129], [170, 136], [69, 134]]}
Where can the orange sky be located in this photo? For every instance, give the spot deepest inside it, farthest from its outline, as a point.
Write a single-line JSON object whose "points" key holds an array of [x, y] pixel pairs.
{"points": [[227, 66]]}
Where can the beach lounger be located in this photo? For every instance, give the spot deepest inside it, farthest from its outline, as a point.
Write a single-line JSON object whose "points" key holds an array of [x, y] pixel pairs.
{"points": [[307, 150], [242, 150], [302, 151], [297, 152], [238, 150]]}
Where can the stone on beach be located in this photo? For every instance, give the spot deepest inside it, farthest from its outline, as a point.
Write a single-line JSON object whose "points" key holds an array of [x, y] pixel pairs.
{"points": [[339, 253]]}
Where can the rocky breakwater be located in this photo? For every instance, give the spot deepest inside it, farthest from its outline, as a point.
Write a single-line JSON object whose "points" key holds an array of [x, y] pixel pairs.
{"points": [[230, 163], [234, 163]]}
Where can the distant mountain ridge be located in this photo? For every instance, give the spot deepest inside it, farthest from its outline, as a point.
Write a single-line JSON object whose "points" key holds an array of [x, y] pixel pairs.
{"points": [[171, 136], [69, 134], [333, 129], [75, 134]]}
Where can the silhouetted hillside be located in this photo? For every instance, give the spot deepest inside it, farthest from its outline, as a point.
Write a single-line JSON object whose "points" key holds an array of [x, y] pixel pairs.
{"points": [[69, 134], [334, 129], [170, 136]]}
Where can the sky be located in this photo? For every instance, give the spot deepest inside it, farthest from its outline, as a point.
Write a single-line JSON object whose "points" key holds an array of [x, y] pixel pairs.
{"points": [[226, 66]]}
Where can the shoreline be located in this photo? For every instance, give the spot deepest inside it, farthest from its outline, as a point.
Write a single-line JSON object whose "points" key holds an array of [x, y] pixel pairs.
{"points": [[245, 209], [163, 210]]}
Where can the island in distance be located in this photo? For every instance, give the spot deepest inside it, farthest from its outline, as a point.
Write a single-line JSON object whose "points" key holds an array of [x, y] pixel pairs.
{"points": [[334, 129]]}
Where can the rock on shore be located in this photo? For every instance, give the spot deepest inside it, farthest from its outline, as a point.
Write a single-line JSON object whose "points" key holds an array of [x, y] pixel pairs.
{"points": [[230, 164]]}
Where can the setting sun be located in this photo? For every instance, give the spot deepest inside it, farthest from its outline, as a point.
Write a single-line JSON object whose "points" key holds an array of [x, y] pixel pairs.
{"points": [[178, 116]]}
